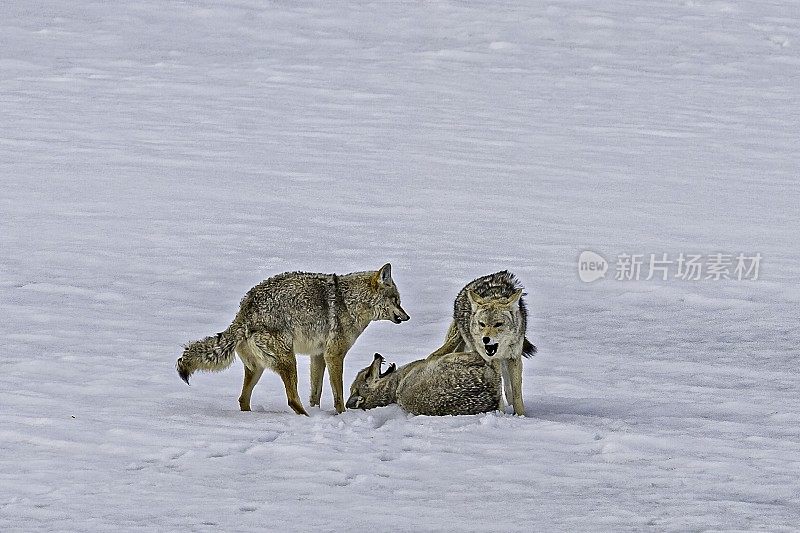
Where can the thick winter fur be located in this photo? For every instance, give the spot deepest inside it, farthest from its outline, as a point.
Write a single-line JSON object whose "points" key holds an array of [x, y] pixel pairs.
{"points": [[321, 315], [490, 318], [460, 383]]}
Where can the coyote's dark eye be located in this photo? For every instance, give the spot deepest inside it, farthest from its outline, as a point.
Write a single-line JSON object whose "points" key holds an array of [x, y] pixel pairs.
{"points": [[498, 324], [481, 324]]}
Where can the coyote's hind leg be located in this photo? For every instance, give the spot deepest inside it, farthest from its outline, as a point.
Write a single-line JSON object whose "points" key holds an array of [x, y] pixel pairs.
{"points": [[251, 377], [280, 358]]}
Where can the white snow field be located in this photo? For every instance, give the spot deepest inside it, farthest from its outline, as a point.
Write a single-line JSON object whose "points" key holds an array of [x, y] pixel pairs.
{"points": [[159, 158]]}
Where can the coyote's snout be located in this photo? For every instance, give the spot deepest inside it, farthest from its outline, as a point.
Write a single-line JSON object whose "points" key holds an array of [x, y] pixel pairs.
{"points": [[399, 315], [321, 315]]}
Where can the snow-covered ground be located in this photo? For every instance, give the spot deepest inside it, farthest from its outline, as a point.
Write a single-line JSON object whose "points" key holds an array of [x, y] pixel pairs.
{"points": [[159, 158]]}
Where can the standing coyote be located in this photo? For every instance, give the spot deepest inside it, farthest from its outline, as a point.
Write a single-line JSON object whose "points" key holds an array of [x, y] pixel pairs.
{"points": [[490, 318], [460, 383], [297, 312]]}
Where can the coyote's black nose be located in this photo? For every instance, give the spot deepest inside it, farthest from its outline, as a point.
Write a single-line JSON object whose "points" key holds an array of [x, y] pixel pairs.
{"points": [[486, 340], [399, 318]]}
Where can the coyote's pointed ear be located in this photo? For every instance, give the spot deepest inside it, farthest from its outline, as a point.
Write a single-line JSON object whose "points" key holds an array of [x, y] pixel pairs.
{"points": [[384, 275], [474, 299], [514, 298]]}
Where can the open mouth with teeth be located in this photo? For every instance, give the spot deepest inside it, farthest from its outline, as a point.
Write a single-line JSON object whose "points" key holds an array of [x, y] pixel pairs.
{"points": [[391, 368], [491, 349]]}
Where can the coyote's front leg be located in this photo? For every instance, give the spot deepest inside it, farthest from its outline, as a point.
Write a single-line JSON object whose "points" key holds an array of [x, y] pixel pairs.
{"points": [[501, 369], [513, 371], [334, 362], [317, 376]]}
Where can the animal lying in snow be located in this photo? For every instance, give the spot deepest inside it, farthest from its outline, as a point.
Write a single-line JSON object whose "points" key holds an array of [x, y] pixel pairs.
{"points": [[458, 383]]}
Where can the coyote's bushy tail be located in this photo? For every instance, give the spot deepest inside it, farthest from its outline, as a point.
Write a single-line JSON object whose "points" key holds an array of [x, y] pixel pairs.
{"points": [[528, 349], [211, 354]]}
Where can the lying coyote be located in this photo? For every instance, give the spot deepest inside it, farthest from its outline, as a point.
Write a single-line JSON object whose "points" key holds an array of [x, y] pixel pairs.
{"points": [[459, 383]]}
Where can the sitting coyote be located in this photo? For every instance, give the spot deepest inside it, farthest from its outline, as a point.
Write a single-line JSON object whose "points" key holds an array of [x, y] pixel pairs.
{"points": [[296, 312], [490, 318], [458, 383]]}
